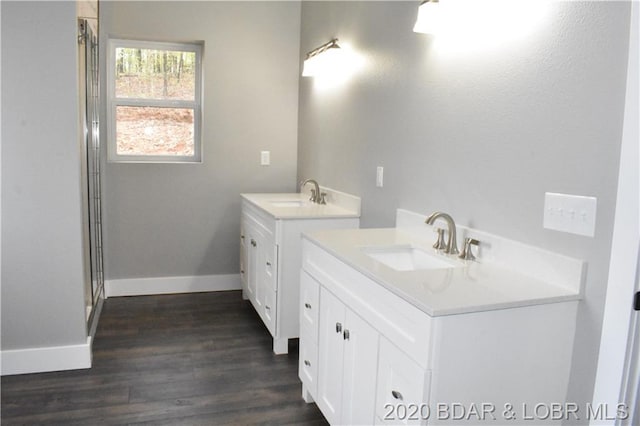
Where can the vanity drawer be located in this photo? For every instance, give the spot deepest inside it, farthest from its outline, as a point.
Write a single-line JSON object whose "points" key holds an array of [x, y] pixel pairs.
{"points": [[271, 264], [270, 299], [309, 307], [308, 365], [402, 391], [260, 218]]}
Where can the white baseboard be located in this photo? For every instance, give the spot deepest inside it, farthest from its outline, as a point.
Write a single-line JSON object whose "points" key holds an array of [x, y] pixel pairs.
{"points": [[169, 285], [39, 360]]}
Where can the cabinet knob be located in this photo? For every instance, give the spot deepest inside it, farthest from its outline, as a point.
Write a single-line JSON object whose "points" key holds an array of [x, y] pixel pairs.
{"points": [[253, 243], [267, 307], [268, 263], [338, 327], [308, 306], [345, 335], [242, 237], [242, 271], [396, 395], [307, 363]]}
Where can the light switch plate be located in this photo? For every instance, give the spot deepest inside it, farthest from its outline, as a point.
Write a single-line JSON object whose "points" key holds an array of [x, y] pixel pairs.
{"points": [[265, 158], [570, 213], [379, 176]]}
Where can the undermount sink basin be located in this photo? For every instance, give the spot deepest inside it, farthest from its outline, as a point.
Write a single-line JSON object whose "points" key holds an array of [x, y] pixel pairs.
{"points": [[407, 258], [290, 203]]}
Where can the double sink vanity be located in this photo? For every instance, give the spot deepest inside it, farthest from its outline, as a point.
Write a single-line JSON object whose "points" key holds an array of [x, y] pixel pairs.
{"points": [[394, 331]]}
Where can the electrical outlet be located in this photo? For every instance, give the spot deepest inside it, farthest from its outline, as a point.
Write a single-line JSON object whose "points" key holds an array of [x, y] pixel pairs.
{"points": [[379, 176], [570, 213], [265, 158]]}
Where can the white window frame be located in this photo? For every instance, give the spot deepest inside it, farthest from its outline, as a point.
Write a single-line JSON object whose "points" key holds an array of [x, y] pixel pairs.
{"points": [[113, 102]]}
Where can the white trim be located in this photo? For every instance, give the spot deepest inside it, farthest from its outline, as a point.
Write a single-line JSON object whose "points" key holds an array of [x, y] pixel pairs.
{"points": [[39, 360], [615, 362], [169, 285]]}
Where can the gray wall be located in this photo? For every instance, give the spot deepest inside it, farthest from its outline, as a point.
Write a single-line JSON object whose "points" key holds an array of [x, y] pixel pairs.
{"points": [[183, 219], [479, 135], [42, 268]]}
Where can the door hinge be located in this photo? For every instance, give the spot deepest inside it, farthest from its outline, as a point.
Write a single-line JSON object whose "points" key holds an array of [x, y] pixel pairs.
{"points": [[636, 301]]}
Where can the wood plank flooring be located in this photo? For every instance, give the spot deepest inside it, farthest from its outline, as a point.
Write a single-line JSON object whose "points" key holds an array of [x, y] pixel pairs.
{"points": [[188, 359]]}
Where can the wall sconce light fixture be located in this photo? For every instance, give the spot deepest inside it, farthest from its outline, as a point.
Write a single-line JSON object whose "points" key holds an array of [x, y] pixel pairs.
{"points": [[323, 60], [429, 17]]}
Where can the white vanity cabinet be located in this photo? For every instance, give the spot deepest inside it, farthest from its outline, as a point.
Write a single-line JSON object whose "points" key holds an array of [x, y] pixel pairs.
{"points": [[370, 356], [270, 254], [259, 265], [356, 363]]}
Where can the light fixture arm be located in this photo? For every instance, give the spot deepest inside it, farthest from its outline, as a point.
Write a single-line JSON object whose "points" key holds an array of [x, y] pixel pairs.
{"points": [[328, 45]]}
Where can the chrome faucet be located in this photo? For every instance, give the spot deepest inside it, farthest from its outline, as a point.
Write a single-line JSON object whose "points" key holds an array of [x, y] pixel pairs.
{"points": [[452, 247], [316, 195]]}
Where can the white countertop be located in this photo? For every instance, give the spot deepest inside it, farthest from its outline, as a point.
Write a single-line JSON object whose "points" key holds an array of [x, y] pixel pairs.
{"points": [[275, 205], [469, 287]]}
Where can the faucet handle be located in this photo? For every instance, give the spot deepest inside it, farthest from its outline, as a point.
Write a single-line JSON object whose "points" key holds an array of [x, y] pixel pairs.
{"points": [[313, 197], [467, 254], [440, 244], [321, 199]]}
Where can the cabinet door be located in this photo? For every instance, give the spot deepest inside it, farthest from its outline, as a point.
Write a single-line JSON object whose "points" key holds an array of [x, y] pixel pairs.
{"points": [[256, 286], [402, 389], [360, 368], [347, 364], [251, 269], [266, 273], [330, 356], [243, 256]]}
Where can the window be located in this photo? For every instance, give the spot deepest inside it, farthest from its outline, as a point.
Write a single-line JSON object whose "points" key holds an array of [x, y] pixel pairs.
{"points": [[154, 96]]}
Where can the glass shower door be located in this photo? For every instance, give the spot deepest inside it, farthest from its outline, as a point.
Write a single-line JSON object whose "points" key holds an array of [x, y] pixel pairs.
{"points": [[92, 161]]}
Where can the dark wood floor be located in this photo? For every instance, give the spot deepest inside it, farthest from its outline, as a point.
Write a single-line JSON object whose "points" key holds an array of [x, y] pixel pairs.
{"points": [[198, 359]]}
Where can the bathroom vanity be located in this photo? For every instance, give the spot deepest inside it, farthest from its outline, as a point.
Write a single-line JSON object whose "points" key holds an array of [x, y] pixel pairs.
{"points": [[393, 332], [270, 252]]}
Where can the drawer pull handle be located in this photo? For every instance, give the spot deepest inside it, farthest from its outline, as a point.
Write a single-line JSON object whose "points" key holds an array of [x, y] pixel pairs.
{"points": [[308, 306], [345, 335], [307, 363], [338, 327], [396, 395]]}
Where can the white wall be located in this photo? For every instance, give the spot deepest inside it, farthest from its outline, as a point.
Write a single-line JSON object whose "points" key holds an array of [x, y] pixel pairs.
{"points": [[480, 134], [164, 220], [42, 275]]}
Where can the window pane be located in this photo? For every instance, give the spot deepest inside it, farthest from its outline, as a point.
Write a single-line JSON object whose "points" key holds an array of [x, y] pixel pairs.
{"points": [[154, 131], [155, 74]]}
